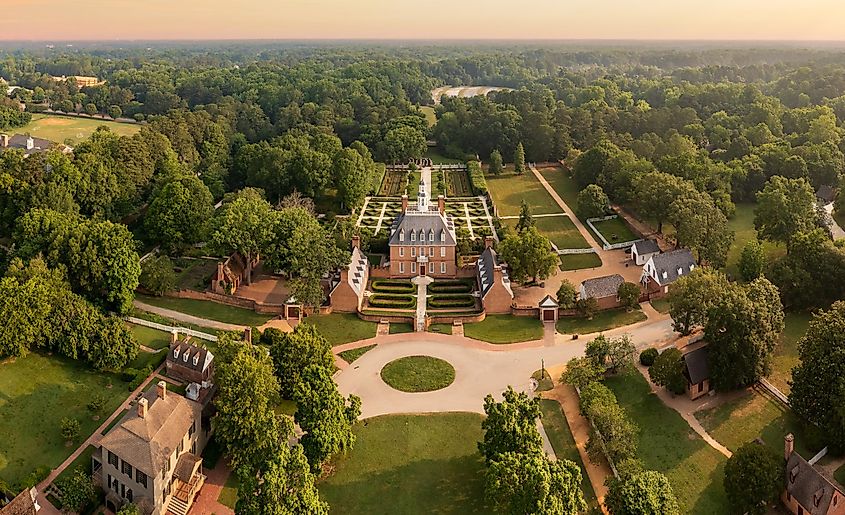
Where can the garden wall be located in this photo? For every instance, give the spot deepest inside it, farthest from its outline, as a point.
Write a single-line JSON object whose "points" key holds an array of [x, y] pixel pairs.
{"points": [[238, 302]]}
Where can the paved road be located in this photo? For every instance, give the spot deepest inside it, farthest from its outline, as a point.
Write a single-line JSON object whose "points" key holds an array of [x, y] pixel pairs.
{"points": [[479, 368]]}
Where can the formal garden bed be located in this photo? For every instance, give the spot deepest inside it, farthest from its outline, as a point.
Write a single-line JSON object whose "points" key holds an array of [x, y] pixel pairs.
{"points": [[452, 286], [394, 183], [409, 464], [414, 374], [392, 301], [450, 301], [392, 286], [457, 183]]}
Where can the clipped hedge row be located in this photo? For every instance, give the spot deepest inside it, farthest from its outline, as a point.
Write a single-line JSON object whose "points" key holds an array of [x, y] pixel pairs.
{"points": [[451, 301], [383, 300], [476, 178], [392, 286], [450, 287]]}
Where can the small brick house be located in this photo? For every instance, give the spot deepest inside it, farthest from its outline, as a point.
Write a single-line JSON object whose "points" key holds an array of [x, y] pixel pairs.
{"points": [[188, 362], [604, 289], [493, 280], [347, 289], [808, 491], [696, 369], [231, 273]]}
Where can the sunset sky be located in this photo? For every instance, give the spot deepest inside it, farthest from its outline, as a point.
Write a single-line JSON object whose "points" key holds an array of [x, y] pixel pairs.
{"points": [[432, 19]]}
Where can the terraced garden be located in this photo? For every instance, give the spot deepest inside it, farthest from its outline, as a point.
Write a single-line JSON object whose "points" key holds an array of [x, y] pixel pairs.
{"points": [[387, 209]]}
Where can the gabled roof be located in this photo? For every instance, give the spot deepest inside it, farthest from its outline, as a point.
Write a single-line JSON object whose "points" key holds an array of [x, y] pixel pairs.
{"points": [[548, 302], [646, 247], [808, 486], [23, 504], [359, 265], [39, 144], [666, 265], [486, 268], [697, 365], [424, 223], [600, 287], [185, 353], [147, 443]]}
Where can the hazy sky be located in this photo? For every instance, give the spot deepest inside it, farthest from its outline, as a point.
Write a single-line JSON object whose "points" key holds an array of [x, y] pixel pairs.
{"points": [[420, 19]]}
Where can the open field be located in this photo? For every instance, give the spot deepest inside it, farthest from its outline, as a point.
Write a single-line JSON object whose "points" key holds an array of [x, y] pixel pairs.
{"points": [[786, 353], [615, 230], [208, 309], [557, 429], [439, 159], [463, 91], [579, 261], [752, 416], [505, 329], [563, 184], [667, 444], [410, 464], [37, 392], [743, 226], [602, 321], [72, 129], [430, 115], [559, 230], [340, 328], [509, 190]]}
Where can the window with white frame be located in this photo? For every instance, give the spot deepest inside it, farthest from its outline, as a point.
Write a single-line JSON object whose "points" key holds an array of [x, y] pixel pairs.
{"points": [[401, 251], [442, 251], [413, 252], [431, 252], [401, 268], [442, 267], [413, 268], [413, 236]]}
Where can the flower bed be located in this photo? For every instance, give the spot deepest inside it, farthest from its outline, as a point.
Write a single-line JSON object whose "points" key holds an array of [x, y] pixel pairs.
{"points": [[392, 286], [386, 300], [451, 301]]}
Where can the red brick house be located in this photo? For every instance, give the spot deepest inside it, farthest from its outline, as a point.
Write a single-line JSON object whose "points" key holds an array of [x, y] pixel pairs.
{"points": [[188, 362], [604, 289], [493, 280], [347, 289]]}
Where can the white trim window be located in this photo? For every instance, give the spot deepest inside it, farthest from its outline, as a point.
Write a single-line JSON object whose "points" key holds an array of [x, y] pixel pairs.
{"points": [[413, 252], [413, 236], [413, 268], [431, 252], [442, 251], [401, 267], [442, 267], [401, 251]]}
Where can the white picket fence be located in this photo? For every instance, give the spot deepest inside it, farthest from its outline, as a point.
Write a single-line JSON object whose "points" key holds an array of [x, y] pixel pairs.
{"points": [[169, 329], [576, 251]]}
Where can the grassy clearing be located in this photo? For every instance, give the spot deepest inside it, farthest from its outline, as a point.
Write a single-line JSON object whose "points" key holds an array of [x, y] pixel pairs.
{"points": [[340, 328], [351, 355], [564, 185], [430, 116], [502, 329], [616, 230], [579, 261], [661, 305], [408, 464], [418, 374], [559, 230], [149, 337], [37, 392], [753, 416], [61, 128], [786, 353], [229, 493], [602, 321], [743, 226], [509, 190], [208, 310], [440, 328], [401, 328], [557, 429], [439, 159], [667, 444]]}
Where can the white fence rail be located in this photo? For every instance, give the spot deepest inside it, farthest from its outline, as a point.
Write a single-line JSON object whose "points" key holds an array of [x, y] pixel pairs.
{"points": [[170, 329], [576, 251], [606, 245], [772, 389]]}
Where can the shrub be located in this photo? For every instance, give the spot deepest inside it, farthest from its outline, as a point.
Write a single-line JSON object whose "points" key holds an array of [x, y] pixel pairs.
{"points": [[97, 403], [451, 301], [157, 275], [70, 429], [387, 286], [595, 394], [668, 371], [77, 491], [648, 356], [385, 300], [476, 178], [141, 375]]}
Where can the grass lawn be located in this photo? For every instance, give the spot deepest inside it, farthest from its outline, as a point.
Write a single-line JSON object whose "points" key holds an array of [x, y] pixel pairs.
{"points": [[37, 392], [400, 328], [544, 380], [661, 305], [602, 321], [409, 464], [743, 226], [60, 128], [430, 116], [786, 353], [229, 493], [502, 329], [616, 230], [579, 261], [564, 185], [509, 190], [438, 159], [82, 461], [149, 337], [667, 444], [560, 230], [753, 416], [208, 309], [351, 355], [440, 328], [418, 374], [340, 328], [557, 429]]}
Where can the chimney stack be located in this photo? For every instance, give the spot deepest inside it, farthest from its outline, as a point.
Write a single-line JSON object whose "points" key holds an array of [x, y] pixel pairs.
{"points": [[174, 336], [4, 140], [142, 408], [161, 389], [441, 204], [356, 242], [488, 242], [248, 334], [404, 203], [788, 446], [30, 143]]}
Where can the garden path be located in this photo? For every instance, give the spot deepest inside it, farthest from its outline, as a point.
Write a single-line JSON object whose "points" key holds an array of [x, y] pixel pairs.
{"points": [[206, 501], [189, 319]]}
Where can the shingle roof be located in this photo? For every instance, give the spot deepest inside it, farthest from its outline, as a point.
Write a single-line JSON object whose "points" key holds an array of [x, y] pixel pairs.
{"points": [[697, 365], [485, 268], [808, 486], [548, 302], [191, 356], [146, 443], [646, 247], [666, 265], [39, 145], [600, 287], [358, 267], [23, 504], [429, 224]]}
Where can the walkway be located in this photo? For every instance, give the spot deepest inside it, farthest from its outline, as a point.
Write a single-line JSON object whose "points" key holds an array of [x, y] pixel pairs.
{"points": [[835, 229], [422, 282], [206, 502], [188, 319], [94, 439]]}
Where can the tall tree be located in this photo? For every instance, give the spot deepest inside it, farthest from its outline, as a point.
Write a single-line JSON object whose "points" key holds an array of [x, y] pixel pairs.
{"points": [[592, 202], [528, 255], [510, 426], [531, 484], [691, 298], [753, 478], [752, 261], [179, 213], [647, 493], [245, 225], [525, 219], [519, 159], [785, 207], [656, 191], [295, 351], [495, 162]]}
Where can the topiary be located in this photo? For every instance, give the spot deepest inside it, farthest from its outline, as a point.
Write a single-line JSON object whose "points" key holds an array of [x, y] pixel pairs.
{"points": [[648, 356]]}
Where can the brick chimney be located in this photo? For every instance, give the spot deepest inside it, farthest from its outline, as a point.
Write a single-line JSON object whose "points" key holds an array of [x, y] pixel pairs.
{"points": [[142, 408], [248, 334], [788, 446], [174, 336], [404, 203], [441, 204], [161, 389], [4, 141], [356, 242], [488, 242]]}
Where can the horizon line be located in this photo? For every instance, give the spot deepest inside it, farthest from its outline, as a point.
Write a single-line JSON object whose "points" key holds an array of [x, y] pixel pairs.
{"points": [[397, 39]]}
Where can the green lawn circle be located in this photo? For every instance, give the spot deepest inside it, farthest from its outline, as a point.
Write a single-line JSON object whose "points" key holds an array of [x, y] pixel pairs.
{"points": [[414, 374]]}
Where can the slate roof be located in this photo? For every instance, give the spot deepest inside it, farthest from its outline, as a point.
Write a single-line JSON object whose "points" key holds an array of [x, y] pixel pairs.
{"points": [[147, 443], [423, 224], [358, 267], [697, 365], [808, 486], [646, 247], [189, 355], [669, 263], [485, 266], [23, 504], [600, 287], [18, 141]]}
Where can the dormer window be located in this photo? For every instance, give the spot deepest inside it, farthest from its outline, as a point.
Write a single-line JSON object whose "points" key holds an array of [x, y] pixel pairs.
{"points": [[442, 235], [413, 236], [176, 353], [422, 235], [185, 357], [665, 275], [196, 359], [680, 271], [402, 235], [431, 235], [691, 267]]}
